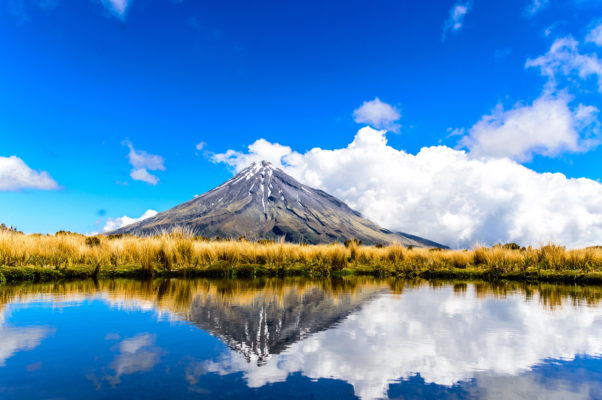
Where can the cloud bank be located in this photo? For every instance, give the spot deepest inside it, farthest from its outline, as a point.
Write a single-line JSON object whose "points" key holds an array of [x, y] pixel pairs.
{"points": [[15, 175], [480, 196], [441, 193], [547, 127], [116, 223]]}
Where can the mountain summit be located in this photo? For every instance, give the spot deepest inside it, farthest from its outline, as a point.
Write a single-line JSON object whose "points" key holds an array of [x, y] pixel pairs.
{"points": [[263, 202]]}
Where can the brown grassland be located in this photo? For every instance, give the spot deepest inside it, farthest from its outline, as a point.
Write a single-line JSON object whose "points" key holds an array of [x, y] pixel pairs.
{"points": [[66, 255]]}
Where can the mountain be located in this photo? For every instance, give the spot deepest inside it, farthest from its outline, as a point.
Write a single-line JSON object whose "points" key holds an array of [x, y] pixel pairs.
{"points": [[263, 202]]}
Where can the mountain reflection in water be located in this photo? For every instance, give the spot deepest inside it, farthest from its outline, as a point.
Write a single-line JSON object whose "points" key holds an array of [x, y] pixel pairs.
{"points": [[480, 340]]}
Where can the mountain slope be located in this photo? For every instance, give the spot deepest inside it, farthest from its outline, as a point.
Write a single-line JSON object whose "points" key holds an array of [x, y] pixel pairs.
{"points": [[262, 202]]}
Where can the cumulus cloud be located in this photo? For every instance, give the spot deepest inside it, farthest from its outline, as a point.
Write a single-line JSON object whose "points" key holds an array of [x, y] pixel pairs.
{"points": [[16, 175], [534, 7], [564, 61], [200, 145], [117, 7], [116, 223], [456, 17], [547, 127], [443, 194], [260, 150], [397, 338], [142, 162], [595, 35], [378, 114]]}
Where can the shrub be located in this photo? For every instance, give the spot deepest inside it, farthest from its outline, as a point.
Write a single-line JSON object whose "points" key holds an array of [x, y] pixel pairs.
{"points": [[93, 241], [350, 242], [509, 246], [67, 233], [5, 228]]}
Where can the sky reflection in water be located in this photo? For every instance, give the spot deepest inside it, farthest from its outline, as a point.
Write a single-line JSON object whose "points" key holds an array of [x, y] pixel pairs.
{"points": [[271, 338]]}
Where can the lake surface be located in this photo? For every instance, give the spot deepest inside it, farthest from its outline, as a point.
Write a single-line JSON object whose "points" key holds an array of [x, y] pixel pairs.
{"points": [[295, 338]]}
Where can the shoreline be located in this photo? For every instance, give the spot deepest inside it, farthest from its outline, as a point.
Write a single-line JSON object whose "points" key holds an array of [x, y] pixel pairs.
{"points": [[9, 275]]}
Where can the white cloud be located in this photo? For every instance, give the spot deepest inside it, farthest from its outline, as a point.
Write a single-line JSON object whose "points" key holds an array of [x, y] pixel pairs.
{"points": [[142, 174], [117, 7], [444, 194], [141, 159], [547, 127], [116, 223], [200, 145], [142, 162], [260, 150], [564, 60], [378, 114], [456, 17], [16, 175], [595, 35], [396, 338], [535, 6]]}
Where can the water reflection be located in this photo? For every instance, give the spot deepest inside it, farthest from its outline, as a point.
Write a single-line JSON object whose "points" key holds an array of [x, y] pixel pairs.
{"points": [[442, 337], [13, 340], [136, 354], [379, 336]]}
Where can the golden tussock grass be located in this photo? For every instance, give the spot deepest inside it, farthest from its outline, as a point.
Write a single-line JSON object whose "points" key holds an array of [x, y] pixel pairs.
{"points": [[178, 251]]}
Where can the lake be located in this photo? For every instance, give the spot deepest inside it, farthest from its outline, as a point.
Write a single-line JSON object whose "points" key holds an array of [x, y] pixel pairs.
{"points": [[297, 338]]}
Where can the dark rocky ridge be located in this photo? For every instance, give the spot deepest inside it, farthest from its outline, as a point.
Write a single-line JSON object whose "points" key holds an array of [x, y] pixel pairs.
{"points": [[263, 202]]}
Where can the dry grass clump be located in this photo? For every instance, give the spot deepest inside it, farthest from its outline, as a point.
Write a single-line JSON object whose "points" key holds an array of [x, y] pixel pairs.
{"points": [[179, 250]]}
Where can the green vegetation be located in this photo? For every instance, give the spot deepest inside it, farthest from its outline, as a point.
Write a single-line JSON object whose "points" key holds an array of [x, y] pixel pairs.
{"points": [[73, 256]]}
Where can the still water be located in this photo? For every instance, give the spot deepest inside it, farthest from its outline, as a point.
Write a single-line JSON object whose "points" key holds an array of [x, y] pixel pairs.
{"points": [[295, 338]]}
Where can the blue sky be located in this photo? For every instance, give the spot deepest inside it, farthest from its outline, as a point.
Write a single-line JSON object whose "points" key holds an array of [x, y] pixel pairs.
{"points": [[84, 82]]}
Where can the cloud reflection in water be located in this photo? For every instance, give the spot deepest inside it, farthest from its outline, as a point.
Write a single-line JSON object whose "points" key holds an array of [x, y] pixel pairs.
{"points": [[444, 337]]}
